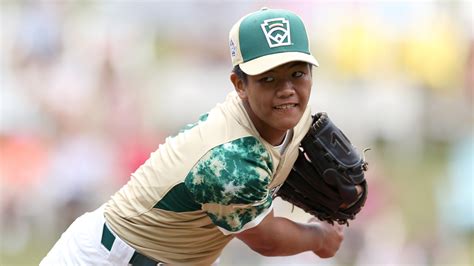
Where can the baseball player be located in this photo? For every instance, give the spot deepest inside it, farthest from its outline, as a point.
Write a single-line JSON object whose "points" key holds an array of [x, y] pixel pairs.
{"points": [[216, 179]]}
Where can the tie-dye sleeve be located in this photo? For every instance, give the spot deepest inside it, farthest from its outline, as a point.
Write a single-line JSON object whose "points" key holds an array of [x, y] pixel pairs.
{"points": [[231, 183]]}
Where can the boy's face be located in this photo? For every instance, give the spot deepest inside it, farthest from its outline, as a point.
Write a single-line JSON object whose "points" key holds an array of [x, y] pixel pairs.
{"points": [[277, 99]]}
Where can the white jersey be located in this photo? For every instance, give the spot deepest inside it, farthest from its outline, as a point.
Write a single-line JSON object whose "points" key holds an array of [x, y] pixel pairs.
{"points": [[212, 180]]}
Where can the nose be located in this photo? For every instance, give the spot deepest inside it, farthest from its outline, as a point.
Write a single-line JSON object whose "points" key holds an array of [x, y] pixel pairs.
{"points": [[286, 89]]}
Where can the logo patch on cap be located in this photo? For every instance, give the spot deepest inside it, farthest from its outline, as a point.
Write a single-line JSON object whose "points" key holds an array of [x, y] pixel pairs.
{"points": [[232, 48], [277, 32]]}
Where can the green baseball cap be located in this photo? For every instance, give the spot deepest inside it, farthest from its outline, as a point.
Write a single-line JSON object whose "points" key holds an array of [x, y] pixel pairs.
{"points": [[269, 38]]}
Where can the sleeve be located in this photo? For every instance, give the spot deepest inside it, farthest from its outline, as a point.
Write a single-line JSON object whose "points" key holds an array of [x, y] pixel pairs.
{"points": [[231, 184]]}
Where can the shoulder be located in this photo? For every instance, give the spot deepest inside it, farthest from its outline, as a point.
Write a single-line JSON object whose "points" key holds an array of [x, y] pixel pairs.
{"points": [[236, 172]]}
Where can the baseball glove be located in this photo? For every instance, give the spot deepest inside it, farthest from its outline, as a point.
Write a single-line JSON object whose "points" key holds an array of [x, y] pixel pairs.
{"points": [[325, 176]]}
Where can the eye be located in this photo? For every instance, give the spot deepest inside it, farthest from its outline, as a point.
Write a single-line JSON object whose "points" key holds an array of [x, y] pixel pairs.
{"points": [[298, 74], [267, 79]]}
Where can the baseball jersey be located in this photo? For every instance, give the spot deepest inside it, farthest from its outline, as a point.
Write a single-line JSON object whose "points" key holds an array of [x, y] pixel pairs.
{"points": [[212, 180]]}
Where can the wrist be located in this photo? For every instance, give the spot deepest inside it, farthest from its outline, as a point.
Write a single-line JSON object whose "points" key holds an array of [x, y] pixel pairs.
{"points": [[319, 237], [315, 236]]}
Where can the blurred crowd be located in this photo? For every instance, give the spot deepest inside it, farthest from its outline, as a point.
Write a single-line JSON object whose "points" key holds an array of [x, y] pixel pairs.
{"points": [[90, 88]]}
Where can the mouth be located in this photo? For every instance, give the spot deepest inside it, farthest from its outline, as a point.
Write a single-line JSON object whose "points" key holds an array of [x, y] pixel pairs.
{"points": [[285, 106]]}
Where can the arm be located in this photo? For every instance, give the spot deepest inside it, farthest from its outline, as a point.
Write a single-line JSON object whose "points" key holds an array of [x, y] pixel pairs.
{"points": [[278, 236]]}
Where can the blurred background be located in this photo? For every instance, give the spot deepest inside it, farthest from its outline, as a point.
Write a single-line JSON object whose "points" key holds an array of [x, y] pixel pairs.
{"points": [[90, 88]]}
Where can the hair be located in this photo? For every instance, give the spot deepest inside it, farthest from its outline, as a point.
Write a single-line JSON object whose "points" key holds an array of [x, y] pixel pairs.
{"points": [[240, 74]]}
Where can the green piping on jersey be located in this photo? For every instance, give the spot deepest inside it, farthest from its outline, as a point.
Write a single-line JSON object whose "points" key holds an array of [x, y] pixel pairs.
{"points": [[107, 238], [178, 199]]}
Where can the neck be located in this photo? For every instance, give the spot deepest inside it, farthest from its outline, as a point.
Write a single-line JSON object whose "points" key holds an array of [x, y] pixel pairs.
{"points": [[273, 136]]}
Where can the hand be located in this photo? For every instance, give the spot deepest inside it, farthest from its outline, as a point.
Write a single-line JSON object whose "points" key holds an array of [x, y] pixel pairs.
{"points": [[330, 238]]}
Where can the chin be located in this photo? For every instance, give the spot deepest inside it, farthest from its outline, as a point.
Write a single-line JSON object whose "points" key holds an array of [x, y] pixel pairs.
{"points": [[287, 124], [288, 119]]}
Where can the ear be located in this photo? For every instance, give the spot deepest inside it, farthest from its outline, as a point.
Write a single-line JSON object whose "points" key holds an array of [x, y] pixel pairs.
{"points": [[239, 86]]}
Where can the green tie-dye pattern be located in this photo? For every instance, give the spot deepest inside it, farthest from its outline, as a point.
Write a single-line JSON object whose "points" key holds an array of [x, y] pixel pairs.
{"points": [[236, 220], [236, 172], [202, 118]]}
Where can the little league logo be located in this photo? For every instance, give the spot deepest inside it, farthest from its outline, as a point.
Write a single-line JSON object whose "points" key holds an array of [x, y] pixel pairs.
{"points": [[277, 32], [233, 49]]}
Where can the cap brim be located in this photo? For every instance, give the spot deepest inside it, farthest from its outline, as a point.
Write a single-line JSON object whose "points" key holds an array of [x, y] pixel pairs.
{"points": [[267, 62]]}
